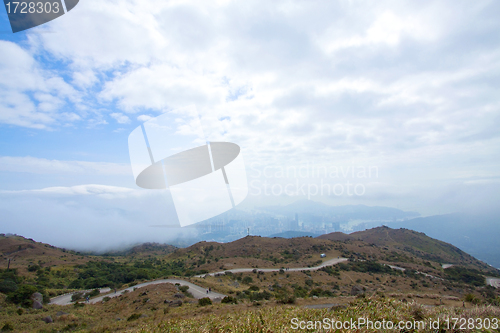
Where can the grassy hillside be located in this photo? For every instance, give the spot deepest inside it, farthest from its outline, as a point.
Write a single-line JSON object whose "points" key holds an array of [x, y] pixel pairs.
{"points": [[403, 245], [144, 250], [145, 310], [336, 236], [255, 251], [475, 234], [366, 284], [24, 252]]}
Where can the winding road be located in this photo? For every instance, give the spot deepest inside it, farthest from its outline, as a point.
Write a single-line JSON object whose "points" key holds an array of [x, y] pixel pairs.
{"points": [[494, 282], [197, 291], [330, 262], [200, 292]]}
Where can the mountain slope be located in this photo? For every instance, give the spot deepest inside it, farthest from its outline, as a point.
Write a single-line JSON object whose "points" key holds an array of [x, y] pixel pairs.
{"points": [[474, 233], [406, 245], [23, 252]]}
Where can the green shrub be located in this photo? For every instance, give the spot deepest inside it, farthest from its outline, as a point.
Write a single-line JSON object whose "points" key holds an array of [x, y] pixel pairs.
{"points": [[471, 298], [247, 280], [33, 268], [299, 291], [7, 286], [255, 296], [366, 267], [285, 298], [183, 288], [330, 270], [204, 301], [7, 327], [229, 300], [76, 296], [22, 295], [70, 327], [94, 292], [134, 316], [316, 292], [466, 275], [327, 293]]}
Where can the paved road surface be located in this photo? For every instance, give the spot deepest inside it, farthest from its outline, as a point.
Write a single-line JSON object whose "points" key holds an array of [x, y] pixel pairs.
{"points": [[494, 282], [425, 274], [197, 291], [66, 298], [397, 268], [315, 268]]}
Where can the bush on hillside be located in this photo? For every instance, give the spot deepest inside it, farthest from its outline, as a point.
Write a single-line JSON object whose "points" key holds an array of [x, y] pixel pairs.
{"points": [[8, 327], [204, 301], [93, 293], [299, 291], [466, 275], [76, 296], [256, 296], [229, 300], [134, 316], [22, 295], [7, 286], [33, 268], [471, 298], [285, 298], [320, 293], [247, 280]]}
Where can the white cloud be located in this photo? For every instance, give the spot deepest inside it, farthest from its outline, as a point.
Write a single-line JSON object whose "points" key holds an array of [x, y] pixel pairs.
{"points": [[20, 77], [386, 83], [144, 118], [84, 79], [104, 191], [88, 217], [120, 118], [44, 166], [164, 87]]}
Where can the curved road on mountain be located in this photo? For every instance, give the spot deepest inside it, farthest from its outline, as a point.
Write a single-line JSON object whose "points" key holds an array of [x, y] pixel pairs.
{"points": [[330, 262], [197, 291], [494, 282]]}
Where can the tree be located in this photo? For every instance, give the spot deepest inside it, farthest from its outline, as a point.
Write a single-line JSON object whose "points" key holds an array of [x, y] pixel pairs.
{"points": [[22, 295], [7, 286]]}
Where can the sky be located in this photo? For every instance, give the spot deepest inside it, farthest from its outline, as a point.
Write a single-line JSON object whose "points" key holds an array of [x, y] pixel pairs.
{"points": [[383, 103]]}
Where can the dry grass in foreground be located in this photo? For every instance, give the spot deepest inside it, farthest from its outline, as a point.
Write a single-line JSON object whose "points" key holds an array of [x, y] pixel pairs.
{"points": [[279, 318]]}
